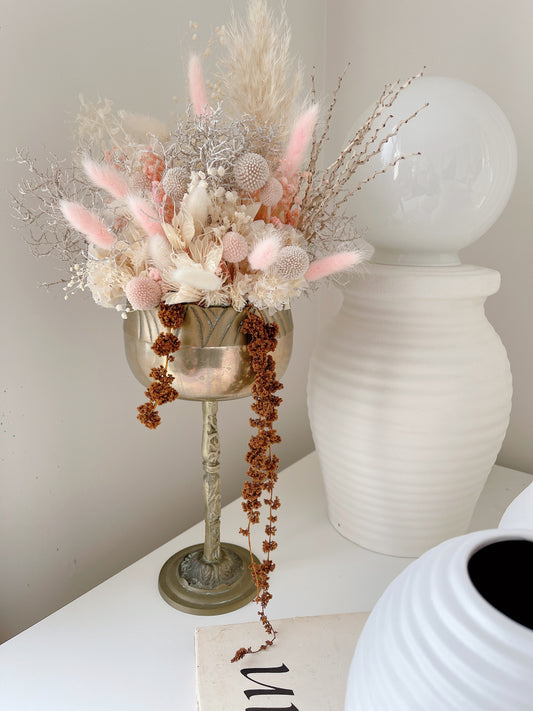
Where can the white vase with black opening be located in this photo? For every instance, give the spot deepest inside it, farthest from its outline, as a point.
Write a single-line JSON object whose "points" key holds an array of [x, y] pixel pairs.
{"points": [[453, 632]]}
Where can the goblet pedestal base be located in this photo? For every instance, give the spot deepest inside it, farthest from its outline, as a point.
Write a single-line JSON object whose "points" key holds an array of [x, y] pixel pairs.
{"points": [[191, 584]]}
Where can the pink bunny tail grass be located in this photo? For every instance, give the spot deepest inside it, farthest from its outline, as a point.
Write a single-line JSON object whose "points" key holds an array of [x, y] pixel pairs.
{"points": [[87, 223], [145, 216], [197, 90], [299, 142], [334, 263], [107, 178], [265, 253]]}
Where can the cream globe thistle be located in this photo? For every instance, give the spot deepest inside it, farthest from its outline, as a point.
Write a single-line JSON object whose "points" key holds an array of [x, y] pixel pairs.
{"points": [[234, 247], [251, 172], [271, 192], [175, 183], [292, 263], [143, 293]]}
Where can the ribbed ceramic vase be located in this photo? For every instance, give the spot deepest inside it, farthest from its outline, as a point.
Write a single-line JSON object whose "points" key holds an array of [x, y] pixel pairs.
{"points": [[453, 632], [409, 398], [410, 386]]}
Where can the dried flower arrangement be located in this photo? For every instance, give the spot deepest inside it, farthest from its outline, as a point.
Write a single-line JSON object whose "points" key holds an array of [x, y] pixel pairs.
{"points": [[228, 207]]}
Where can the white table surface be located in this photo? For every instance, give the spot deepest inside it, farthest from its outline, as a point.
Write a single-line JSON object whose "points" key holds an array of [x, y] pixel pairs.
{"points": [[121, 647]]}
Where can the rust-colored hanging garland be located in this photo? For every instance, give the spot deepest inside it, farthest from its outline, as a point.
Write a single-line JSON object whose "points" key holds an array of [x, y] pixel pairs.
{"points": [[161, 391], [262, 471]]}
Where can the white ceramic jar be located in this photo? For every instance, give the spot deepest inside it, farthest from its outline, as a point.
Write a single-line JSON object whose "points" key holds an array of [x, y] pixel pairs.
{"points": [[434, 642], [409, 387], [409, 398]]}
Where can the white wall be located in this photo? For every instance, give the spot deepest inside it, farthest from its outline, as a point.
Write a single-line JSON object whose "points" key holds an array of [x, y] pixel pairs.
{"points": [[486, 43], [85, 489]]}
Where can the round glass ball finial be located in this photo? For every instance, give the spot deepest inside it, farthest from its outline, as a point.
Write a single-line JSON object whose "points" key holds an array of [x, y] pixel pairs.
{"points": [[429, 206]]}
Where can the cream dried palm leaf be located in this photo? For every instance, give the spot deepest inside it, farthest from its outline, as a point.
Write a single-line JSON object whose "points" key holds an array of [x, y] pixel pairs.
{"points": [[189, 276]]}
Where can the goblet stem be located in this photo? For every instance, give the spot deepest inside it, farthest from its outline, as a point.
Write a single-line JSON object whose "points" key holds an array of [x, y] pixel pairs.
{"points": [[211, 465]]}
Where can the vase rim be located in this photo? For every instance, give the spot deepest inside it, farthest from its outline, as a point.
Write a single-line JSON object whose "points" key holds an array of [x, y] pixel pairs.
{"points": [[470, 545], [456, 281]]}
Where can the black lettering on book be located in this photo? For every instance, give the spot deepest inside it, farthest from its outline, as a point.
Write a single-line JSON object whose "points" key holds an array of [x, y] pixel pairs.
{"points": [[268, 688]]}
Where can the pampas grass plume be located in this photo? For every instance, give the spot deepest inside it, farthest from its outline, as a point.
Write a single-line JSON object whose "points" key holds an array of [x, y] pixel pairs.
{"points": [[265, 253], [260, 77], [145, 216], [332, 264], [87, 223], [143, 127], [197, 90], [107, 178], [299, 142]]}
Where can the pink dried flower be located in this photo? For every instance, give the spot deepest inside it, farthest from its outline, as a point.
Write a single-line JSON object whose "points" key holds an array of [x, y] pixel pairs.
{"points": [[265, 253], [292, 262], [251, 171], [197, 88], [88, 223], [140, 183], [153, 166], [299, 141], [106, 177], [145, 216], [143, 293], [271, 192], [234, 247], [166, 205], [332, 264]]}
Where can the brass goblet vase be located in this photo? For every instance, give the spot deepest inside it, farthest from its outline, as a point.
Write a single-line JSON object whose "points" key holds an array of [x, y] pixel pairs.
{"points": [[212, 364]]}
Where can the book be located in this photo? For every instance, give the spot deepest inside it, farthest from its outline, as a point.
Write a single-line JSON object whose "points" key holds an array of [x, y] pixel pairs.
{"points": [[305, 670]]}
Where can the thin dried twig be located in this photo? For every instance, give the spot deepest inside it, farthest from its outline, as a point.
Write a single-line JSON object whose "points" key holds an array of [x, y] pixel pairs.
{"points": [[327, 191], [36, 207]]}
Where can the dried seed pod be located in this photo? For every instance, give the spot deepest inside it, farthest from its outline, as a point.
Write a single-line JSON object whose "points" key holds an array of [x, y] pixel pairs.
{"points": [[234, 247], [292, 262], [175, 183], [251, 172], [143, 293], [271, 192]]}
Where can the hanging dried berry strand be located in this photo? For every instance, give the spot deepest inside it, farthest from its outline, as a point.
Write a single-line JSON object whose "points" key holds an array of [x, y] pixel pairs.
{"points": [[263, 465], [161, 391]]}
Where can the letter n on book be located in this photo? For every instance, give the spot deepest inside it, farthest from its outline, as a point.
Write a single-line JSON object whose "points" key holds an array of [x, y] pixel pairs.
{"points": [[267, 688]]}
